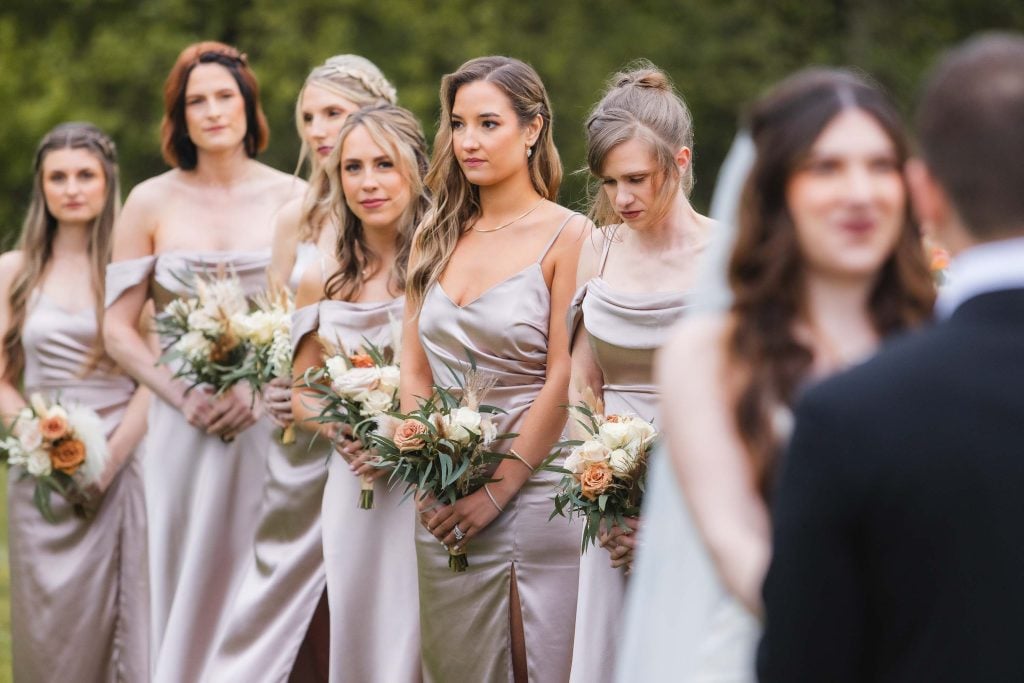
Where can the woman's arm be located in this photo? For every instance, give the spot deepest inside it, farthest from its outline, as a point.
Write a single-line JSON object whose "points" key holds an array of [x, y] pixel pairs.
{"points": [[286, 242], [416, 379], [544, 420], [11, 400], [709, 458], [126, 438], [308, 354], [585, 372]]}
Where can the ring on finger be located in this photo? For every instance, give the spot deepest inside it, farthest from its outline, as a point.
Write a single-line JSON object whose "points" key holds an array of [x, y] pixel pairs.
{"points": [[459, 533]]}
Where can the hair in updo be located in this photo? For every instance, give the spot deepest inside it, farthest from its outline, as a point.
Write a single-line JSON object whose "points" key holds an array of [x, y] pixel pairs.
{"points": [[640, 102]]}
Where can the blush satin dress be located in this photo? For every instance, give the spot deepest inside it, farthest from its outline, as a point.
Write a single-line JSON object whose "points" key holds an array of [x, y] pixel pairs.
{"points": [[465, 616]]}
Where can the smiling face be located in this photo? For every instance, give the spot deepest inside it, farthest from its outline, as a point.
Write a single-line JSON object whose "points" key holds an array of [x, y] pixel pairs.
{"points": [[487, 138], [847, 199], [631, 180], [74, 185], [214, 109], [375, 189], [322, 113]]}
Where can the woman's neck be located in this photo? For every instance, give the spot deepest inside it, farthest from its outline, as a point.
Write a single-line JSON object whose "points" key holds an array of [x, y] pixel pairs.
{"points": [[680, 227], [839, 322], [381, 242], [223, 168], [71, 239], [511, 197]]}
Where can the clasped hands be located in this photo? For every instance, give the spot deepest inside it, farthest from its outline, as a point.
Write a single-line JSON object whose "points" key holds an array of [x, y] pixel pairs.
{"points": [[472, 513], [225, 415], [620, 543]]}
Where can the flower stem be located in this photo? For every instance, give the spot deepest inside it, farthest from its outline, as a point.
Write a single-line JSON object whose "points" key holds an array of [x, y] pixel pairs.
{"points": [[365, 493]]}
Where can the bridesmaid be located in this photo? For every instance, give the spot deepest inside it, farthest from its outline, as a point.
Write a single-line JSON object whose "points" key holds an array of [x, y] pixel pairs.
{"points": [[211, 212], [826, 264], [278, 625], [376, 187], [78, 587], [632, 288], [492, 273]]}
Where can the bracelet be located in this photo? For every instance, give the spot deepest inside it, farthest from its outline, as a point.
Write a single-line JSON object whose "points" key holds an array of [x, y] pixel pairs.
{"points": [[491, 496], [522, 460]]}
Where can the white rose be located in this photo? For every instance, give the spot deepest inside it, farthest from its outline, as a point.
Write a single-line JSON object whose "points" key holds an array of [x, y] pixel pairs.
{"points": [[376, 402], [640, 431], [592, 451], [614, 434], [38, 463], [389, 378], [461, 425], [488, 430], [29, 435], [336, 366], [194, 345], [258, 327], [386, 425], [622, 461], [574, 462], [355, 381]]}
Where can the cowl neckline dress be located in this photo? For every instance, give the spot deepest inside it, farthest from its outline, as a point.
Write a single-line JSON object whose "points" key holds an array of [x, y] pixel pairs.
{"points": [[465, 616], [78, 588]]}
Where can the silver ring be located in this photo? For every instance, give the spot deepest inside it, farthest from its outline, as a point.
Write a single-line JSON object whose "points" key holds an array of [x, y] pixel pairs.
{"points": [[459, 533]]}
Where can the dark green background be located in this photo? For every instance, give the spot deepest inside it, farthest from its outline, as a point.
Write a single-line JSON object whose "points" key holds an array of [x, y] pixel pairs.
{"points": [[105, 60]]}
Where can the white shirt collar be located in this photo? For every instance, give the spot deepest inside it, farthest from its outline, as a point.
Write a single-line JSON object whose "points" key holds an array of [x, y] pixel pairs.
{"points": [[986, 267]]}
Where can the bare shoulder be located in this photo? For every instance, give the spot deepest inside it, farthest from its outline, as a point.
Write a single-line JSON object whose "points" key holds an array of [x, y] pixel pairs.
{"points": [[285, 186], [590, 255], [311, 283], [288, 216], [10, 263], [575, 228], [153, 192]]}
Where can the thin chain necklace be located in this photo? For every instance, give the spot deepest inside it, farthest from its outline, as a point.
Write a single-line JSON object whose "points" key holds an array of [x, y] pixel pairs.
{"points": [[517, 218]]}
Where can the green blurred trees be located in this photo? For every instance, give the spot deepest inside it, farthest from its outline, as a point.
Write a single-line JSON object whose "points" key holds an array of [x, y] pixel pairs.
{"points": [[105, 60]]}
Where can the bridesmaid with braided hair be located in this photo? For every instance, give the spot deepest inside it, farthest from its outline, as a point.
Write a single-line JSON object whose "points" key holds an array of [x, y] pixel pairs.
{"points": [[79, 603]]}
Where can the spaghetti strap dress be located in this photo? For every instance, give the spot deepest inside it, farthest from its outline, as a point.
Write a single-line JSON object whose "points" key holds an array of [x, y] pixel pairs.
{"points": [[202, 495], [624, 329], [79, 598], [465, 616], [369, 555], [271, 613]]}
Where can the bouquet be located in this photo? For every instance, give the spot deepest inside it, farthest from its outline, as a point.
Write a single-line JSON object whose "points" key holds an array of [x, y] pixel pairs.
{"points": [[220, 339], [359, 390], [604, 474], [444, 447], [63, 448]]}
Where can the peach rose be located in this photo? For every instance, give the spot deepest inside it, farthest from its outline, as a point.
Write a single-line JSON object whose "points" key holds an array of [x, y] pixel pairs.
{"points": [[54, 425], [407, 436], [361, 360], [595, 480], [68, 455]]}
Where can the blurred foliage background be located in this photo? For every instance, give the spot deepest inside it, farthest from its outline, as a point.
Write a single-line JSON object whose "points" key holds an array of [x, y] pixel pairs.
{"points": [[105, 60]]}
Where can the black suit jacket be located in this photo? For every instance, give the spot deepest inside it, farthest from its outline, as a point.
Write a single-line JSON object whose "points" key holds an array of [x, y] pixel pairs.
{"points": [[899, 514]]}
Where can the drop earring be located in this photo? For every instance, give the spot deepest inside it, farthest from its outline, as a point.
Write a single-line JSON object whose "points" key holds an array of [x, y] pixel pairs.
{"points": [[529, 152]]}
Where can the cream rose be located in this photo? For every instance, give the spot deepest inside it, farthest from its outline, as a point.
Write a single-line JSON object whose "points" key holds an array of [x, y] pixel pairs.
{"points": [[462, 424], [376, 402], [355, 381], [389, 378], [573, 462], [592, 450], [28, 434], [387, 425], [336, 366], [622, 462], [614, 434], [194, 345], [258, 327], [38, 463]]}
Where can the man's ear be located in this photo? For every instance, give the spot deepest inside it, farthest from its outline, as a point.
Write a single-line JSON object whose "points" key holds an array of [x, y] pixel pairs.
{"points": [[933, 208]]}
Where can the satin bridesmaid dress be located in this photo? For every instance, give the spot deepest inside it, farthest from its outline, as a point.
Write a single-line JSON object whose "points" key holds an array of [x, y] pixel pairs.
{"points": [[272, 611], [465, 616], [202, 495], [79, 596], [624, 330], [369, 555]]}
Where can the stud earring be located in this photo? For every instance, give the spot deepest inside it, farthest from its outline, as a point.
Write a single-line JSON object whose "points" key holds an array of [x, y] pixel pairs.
{"points": [[529, 152]]}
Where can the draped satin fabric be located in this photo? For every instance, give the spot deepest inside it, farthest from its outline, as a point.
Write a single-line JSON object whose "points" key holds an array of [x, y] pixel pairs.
{"points": [[284, 581], [79, 597], [369, 555], [202, 495], [465, 616], [624, 330]]}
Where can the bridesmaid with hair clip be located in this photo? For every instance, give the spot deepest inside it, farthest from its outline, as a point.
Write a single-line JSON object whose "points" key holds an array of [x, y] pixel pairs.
{"points": [[633, 286], [376, 188], [79, 603], [492, 271], [212, 212], [278, 624]]}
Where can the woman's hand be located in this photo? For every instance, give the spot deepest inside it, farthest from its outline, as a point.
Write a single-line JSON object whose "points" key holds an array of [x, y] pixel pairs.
{"points": [[471, 513], [360, 460], [277, 398], [233, 412], [620, 543], [198, 407]]}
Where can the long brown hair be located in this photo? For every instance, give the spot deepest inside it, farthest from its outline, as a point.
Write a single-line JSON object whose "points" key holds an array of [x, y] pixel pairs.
{"points": [[358, 80], [40, 228], [175, 144], [456, 201], [396, 131], [767, 271]]}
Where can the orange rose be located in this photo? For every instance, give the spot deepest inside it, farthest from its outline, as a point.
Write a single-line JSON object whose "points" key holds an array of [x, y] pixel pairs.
{"points": [[407, 436], [54, 426], [361, 360], [595, 480], [68, 455]]}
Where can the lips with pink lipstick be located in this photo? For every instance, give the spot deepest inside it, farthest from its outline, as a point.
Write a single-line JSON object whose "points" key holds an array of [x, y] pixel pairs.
{"points": [[858, 227], [472, 162], [324, 150], [374, 203], [631, 215]]}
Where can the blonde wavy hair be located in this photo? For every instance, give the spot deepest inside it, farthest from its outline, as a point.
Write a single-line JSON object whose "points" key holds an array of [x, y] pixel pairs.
{"points": [[359, 81], [639, 102], [456, 201], [40, 228], [396, 131]]}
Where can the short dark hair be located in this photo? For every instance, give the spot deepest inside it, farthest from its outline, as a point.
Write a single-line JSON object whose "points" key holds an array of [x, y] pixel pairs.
{"points": [[177, 148], [970, 124]]}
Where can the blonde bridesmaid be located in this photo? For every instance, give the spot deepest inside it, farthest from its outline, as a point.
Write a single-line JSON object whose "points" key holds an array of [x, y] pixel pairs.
{"points": [[278, 623], [492, 273], [376, 187], [633, 282], [79, 602], [213, 211]]}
